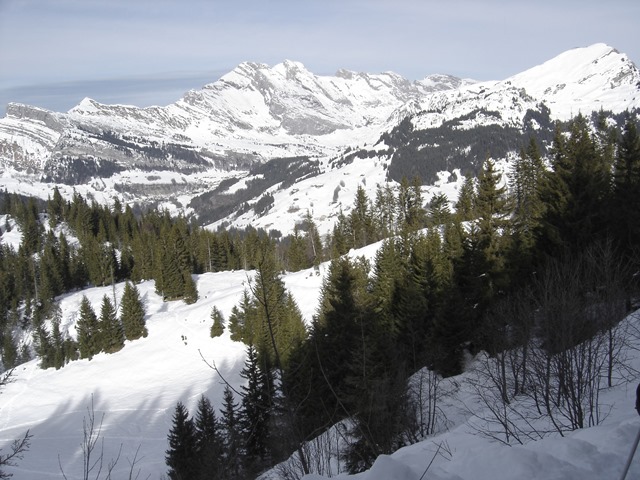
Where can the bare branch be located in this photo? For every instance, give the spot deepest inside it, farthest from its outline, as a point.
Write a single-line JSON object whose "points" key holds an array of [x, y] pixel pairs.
{"points": [[18, 448], [213, 367]]}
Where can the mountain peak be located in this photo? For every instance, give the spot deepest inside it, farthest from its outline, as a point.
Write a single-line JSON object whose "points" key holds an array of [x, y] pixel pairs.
{"points": [[581, 78]]}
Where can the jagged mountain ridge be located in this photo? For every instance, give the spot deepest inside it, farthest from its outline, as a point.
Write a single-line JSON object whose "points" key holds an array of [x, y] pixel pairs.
{"points": [[253, 113], [257, 113]]}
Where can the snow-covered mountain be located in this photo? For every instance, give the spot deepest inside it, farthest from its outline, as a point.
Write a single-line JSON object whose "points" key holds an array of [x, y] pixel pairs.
{"points": [[253, 113], [176, 155]]}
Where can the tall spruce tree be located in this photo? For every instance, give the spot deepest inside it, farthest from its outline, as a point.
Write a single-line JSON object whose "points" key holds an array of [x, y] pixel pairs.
{"points": [[438, 212], [314, 248], [296, 257], [89, 342], [132, 313], [242, 320], [9, 349], [528, 206], [575, 191], [111, 331], [181, 455], [465, 206], [316, 378], [361, 222], [384, 210], [255, 413], [626, 187], [279, 326], [209, 446], [493, 211], [232, 434]]}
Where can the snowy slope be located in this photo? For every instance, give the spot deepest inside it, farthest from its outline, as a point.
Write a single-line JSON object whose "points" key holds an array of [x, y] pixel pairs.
{"points": [[137, 388], [582, 80], [460, 453]]}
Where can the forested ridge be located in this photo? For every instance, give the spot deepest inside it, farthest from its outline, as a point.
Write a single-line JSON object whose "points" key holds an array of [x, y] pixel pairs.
{"points": [[538, 267]]}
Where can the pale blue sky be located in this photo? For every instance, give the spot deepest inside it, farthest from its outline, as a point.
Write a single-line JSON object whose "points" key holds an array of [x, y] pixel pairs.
{"points": [[53, 53]]}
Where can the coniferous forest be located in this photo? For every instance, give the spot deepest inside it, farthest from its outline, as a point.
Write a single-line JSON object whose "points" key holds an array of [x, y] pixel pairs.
{"points": [[534, 273]]}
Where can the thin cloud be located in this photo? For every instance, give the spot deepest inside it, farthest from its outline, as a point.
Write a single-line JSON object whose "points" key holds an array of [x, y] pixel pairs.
{"points": [[53, 41]]}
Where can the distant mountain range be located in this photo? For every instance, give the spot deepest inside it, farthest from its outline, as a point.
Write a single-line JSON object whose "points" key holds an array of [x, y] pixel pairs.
{"points": [[261, 130]]}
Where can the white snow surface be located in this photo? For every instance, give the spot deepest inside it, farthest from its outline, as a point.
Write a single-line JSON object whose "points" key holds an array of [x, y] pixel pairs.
{"points": [[137, 388]]}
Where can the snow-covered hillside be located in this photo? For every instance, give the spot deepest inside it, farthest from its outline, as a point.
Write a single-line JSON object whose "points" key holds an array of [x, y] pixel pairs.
{"points": [[137, 388]]}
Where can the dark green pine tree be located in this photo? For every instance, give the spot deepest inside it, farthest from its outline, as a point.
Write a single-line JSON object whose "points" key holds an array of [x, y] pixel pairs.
{"points": [[590, 185], [30, 226], [626, 187], [169, 279], [190, 292], [44, 346], [132, 313], [65, 254], [385, 211], [241, 320], [438, 212], [314, 244], [575, 191], [341, 236], [255, 413], [89, 342], [555, 194], [181, 455], [321, 365], [295, 257], [465, 206], [528, 207], [412, 215], [232, 434], [493, 210], [389, 269], [279, 326], [217, 328], [111, 331], [57, 340], [361, 220], [55, 208], [209, 442], [9, 349]]}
